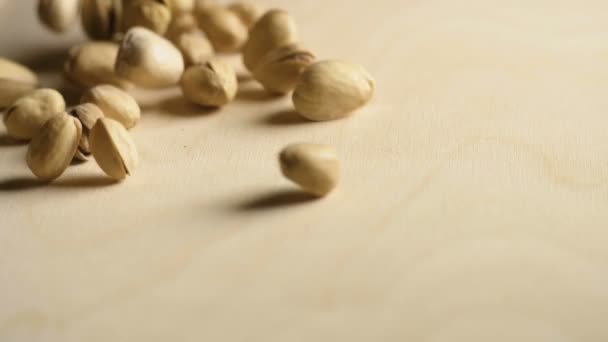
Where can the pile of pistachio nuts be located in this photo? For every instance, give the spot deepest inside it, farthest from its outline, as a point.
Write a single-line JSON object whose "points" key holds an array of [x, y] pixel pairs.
{"points": [[165, 43]]}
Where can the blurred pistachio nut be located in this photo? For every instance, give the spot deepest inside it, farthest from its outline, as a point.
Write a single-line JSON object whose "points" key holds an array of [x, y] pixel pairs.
{"points": [[195, 47], [180, 24], [331, 90], [248, 11], [114, 103], [58, 15], [113, 148], [148, 60], [29, 113], [212, 84], [314, 167], [101, 19], [280, 69], [12, 90], [154, 15], [223, 28], [181, 6], [274, 29], [53, 148], [92, 63], [87, 114]]}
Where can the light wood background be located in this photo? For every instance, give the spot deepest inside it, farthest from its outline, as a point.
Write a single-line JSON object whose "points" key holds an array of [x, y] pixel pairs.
{"points": [[473, 204]]}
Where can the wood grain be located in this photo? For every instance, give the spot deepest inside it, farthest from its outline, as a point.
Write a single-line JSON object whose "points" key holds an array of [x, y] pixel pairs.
{"points": [[473, 204]]}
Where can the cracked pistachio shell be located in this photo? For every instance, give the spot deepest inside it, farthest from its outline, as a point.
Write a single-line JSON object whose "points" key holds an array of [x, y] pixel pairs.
{"points": [[149, 60], [212, 84], [92, 63], [29, 113], [280, 69], [195, 47], [154, 15], [274, 29], [180, 24], [224, 28], [114, 103], [331, 90], [52, 149], [314, 167], [101, 19], [248, 11], [87, 114], [113, 148], [58, 15]]}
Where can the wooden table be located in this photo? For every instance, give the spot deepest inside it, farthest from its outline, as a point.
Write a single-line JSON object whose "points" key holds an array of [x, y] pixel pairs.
{"points": [[473, 204]]}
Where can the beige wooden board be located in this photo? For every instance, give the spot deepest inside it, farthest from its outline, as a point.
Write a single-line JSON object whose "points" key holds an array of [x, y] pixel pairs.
{"points": [[473, 204]]}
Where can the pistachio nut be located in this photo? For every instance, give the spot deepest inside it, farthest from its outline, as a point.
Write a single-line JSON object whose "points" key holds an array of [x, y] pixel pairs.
{"points": [[101, 19], [181, 6], [29, 113], [331, 90], [58, 15], [248, 11], [92, 63], [181, 23], [113, 148], [212, 84], [223, 28], [11, 70], [314, 167], [87, 114], [52, 149], [280, 69], [154, 15], [16, 80], [114, 103], [195, 47]]}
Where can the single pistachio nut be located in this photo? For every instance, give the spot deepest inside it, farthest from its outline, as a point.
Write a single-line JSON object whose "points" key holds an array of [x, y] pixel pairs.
{"points": [[11, 91], [11, 70], [92, 63], [58, 15], [148, 60], [154, 15], [113, 148], [280, 69], [29, 113], [274, 29], [314, 167], [101, 19], [195, 47], [180, 24], [53, 148], [223, 28], [87, 114], [248, 11], [115, 103], [201, 5], [181, 6], [331, 90], [212, 84]]}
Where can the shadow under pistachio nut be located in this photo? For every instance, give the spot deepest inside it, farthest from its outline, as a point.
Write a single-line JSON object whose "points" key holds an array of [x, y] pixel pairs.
{"points": [[224, 28], [113, 148], [212, 84], [332, 90], [280, 69], [195, 47], [114, 103], [154, 15], [248, 11], [29, 113], [101, 19], [274, 29], [51, 151], [314, 167], [87, 114], [148, 60], [92, 63]]}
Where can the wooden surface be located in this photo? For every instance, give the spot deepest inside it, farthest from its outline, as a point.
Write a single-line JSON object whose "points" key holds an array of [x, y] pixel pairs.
{"points": [[473, 204]]}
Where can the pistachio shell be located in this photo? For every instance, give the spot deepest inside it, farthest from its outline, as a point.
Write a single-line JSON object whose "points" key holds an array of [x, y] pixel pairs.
{"points": [[195, 47], [113, 148], [58, 15], [101, 19], [92, 63], [313, 167], [11, 70], [29, 113], [223, 27], [87, 114], [11, 91], [181, 6], [332, 90], [248, 11], [211, 84], [181, 23], [280, 69], [154, 15], [114, 103], [52, 149]]}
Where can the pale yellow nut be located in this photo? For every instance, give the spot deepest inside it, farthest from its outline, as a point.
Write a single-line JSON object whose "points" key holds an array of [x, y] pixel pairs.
{"points": [[148, 60], [224, 28], [274, 29], [113, 148], [180, 24], [181, 6], [92, 63], [53, 148], [195, 47], [87, 114], [58, 15], [201, 5], [331, 90], [280, 69], [314, 167], [212, 84], [16, 81], [29, 113], [154, 15], [101, 19], [248, 11], [114, 103], [11, 70]]}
